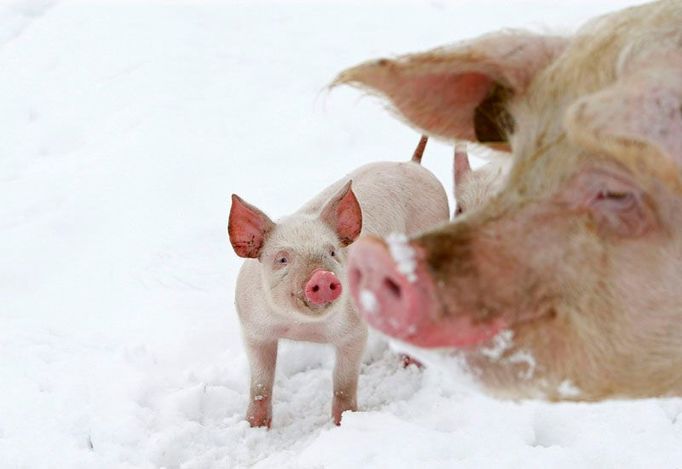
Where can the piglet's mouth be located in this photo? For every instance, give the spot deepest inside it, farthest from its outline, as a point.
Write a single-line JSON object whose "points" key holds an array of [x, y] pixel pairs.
{"points": [[309, 309], [403, 303]]}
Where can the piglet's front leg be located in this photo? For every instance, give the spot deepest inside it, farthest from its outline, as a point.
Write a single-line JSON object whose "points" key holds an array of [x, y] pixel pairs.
{"points": [[346, 372], [262, 360]]}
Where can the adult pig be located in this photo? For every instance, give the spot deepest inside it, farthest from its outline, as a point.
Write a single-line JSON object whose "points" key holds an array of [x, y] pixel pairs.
{"points": [[574, 268], [292, 283]]}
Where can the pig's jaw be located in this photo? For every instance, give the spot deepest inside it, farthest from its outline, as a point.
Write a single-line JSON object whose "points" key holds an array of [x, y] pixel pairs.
{"points": [[307, 312], [422, 331]]}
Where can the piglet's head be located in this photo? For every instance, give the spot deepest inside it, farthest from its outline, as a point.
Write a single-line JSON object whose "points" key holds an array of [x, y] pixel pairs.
{"points": [[302, 256]]}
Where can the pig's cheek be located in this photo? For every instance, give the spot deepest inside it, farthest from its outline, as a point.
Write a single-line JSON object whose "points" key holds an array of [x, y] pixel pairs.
{"points": [[281, 291], [334, 263], [289, 299], [341, 257]]}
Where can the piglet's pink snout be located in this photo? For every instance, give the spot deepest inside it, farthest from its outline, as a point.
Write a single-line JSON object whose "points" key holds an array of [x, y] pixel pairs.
{"points": [[323, 287]]}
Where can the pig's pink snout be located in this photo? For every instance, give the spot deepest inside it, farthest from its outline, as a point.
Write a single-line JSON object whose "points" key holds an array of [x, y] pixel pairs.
{"points": [[389, 300], [323, 287], [401, 301]]}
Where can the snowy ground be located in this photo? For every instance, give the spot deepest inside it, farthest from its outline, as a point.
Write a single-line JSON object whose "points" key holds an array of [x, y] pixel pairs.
{"points": [[126, 126]]}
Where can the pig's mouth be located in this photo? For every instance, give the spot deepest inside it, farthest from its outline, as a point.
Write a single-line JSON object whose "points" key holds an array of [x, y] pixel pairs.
{"points": [[435, 328], [308, 309]]}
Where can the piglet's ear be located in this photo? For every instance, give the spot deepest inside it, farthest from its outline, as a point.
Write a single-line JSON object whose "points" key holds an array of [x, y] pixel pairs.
{"points": [[636, 121], [462, 167], [459, 92], [343, 213], [248, 228]]}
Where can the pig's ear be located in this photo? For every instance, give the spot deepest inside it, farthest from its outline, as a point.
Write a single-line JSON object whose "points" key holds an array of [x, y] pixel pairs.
{"points": [[462, 167], [637, 120], [343, 213], [459, 92], [248, 228]]}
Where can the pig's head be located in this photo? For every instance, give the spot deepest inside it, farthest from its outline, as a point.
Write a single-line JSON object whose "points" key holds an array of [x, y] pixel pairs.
{"points": [[580, 253], [303, 256]]}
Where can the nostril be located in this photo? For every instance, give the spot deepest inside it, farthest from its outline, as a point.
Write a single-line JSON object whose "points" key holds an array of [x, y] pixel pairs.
{"points": [[332, 286], [316, 288], [392, 287]]}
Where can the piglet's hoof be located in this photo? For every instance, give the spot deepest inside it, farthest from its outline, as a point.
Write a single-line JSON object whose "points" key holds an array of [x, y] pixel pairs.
{"points": [[259, 415], [407, 360], [339, 406]]}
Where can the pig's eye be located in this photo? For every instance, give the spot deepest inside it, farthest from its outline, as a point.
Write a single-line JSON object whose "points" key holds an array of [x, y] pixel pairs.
{"points": [[617, 197], [332, 253], [622, 212], [281, 259], [616, 202]]}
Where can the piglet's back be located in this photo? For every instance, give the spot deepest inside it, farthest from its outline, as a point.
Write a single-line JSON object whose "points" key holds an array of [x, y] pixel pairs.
{"points": [[395, 197]]}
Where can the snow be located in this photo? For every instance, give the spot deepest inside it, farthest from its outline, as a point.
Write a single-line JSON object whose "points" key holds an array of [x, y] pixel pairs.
{"points": [[403, 255], [500, 344], [569, 390], [369, 301], [126, 127]]}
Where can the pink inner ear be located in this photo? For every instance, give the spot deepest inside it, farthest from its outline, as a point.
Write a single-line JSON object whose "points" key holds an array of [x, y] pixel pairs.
{"points": [[348, 218], [462, 166], [247, 228], [438, 91], [442, 103]]}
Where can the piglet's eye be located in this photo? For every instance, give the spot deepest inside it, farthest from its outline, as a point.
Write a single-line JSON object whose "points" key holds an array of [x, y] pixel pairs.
{"points": [[459, 210], [281, 259], [332, 253]]}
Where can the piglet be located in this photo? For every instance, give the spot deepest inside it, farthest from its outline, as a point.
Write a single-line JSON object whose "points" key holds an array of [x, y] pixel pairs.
{"points": [[292, 283], [473, 188]]}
